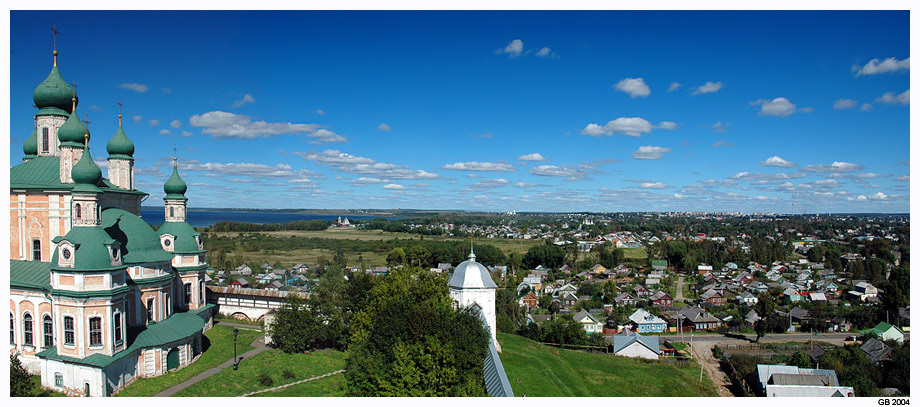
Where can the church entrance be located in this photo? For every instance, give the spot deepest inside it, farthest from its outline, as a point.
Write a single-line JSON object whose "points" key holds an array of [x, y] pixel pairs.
{"points": [[172, 359]]}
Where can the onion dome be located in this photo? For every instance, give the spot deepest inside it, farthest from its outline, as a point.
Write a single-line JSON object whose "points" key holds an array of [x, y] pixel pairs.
{"points": [[175, 187], [53, 95], [72, 132], [471, 274], [86, 174], [120, 146], [30, 148]]}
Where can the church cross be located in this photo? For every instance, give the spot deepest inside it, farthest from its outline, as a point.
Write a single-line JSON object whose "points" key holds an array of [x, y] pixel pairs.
{"points": [[119, 112], [175, 157], [55, 32]]}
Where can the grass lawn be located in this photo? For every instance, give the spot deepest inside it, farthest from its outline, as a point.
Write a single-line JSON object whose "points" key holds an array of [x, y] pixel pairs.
{"points": [[332, 386], [635, 253], [273, 363], [538, 370], [39, 391], [218, 351]]}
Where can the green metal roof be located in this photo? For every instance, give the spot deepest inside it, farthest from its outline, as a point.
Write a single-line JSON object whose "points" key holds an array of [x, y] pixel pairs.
{"points": [[879, 329], [120, 145], [175, 187], [30, 274], [91, 252], [139, 242], [86, 174], [44, 173], [178, 327], [185, 237], [72, 130], [54, 92]]}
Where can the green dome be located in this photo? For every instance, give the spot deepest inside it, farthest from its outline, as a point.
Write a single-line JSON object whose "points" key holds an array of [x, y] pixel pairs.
{"points": [[120, 145], [139, 242], [86, 171], [92, 249], [72, 131], [175, 187], [30, 148], [186, 237], [54, 93]]}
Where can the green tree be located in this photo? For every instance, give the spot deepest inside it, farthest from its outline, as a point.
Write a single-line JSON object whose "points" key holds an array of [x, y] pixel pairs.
{"points": [[20, 384], [396, 256], [296, 329], [328, 303]]}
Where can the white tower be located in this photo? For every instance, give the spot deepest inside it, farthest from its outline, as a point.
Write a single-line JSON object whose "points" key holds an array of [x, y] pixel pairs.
{"points": [[472, 285]]}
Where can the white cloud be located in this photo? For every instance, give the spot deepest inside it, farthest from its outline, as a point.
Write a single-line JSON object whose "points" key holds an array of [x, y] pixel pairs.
{"points": [[857, 198], [780, 107], [153, 123], [479, 166], [760, 176], [221, 124], [175, 124], [879, 196], [246, 169], [525, 185], [384, 127], [394, 187], [840, 104], [719, 127], [652, 185], [137, 87], [247, 98], [544, 52], [836, 166], [320, 112], [776, 161], [360, 165], [630, 126], [890, 98], [674, 86], [488, 184], [708, 87], [366, 181], [556, 171], [874, 67], [186, 133], [164, 132], [532, 157], [486, 135], [650, 153], [866, 107], [666, 125], [903, 178], [635, 87], [137, 118], [513, 49], [722, 143]]}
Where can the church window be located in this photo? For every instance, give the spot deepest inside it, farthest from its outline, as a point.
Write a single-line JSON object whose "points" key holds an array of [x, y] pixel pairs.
{"points": [[167, 242], [66, 253], [95, 331], [36, 249], [171, 212], [78, 212], [115, 253], [168, 306], [47, 331], [46, 145], [150, 310], [201, 292], [118, 336], [27, 329], [58, 380], [188, 293], [12, 330], [68, 331]]}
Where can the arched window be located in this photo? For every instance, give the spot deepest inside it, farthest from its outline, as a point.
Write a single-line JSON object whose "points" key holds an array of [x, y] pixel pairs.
{"points": [[46, 146], [79, 212], [68, 331], [95, 331], [47, 331], [171, 212], [27, 329], [118, 335], [168, 306], [188, 293], [12, 330], [201, 292]]}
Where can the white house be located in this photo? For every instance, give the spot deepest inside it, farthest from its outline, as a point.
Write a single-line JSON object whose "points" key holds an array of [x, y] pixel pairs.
{"points": [[631, 344]]}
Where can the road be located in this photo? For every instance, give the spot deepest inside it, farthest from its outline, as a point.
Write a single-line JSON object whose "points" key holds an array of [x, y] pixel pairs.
{"points": [[679, 295]]}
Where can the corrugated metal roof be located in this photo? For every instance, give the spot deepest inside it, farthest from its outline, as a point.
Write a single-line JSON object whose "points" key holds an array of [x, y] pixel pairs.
{"points": [[493, 372], [30, 274], [256, 292], [45, 173]]}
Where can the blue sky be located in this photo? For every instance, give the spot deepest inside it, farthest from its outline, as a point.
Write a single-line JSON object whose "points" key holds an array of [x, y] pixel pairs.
{"points": [[526, 111]]}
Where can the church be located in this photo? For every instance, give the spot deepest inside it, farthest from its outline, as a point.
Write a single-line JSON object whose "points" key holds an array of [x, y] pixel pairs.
{"points": [[98, 298]]}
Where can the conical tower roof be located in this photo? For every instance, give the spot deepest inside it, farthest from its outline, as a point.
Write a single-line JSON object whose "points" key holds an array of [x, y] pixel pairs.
{"points": [[53, 95], [120, 146]]}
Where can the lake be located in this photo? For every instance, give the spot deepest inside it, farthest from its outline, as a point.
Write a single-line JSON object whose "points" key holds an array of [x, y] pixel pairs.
{"points": [[196, 218]]}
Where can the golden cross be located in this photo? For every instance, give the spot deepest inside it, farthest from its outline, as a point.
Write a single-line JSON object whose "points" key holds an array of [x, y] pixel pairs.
{"points": [[119, 112], [56, 32], [175, 157], [85, 139]]}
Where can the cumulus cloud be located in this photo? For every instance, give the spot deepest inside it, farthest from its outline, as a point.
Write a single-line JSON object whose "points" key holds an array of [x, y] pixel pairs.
{"points": [[635, 87], [164, 132], [525, 184], [876, 66], [175, 124], [780, 107], [186, 133], [561, 171], [836, 166], [840, 104], [776, 161], [674, 86], [367, 181], [360, 165], [221, 124], [384, 127], [722, 143], [760, 176], [652, 185], [544, 52], [532, 157], [153, 123], [650, 153], [666, 125], [137, 118], [903, 178], [513, 49], [890, 98], [137, 87], [488, 184], [866, 107], [708, 87], [247, 98], [479, 166], [246, 170], [629, 126], [394, 187]]}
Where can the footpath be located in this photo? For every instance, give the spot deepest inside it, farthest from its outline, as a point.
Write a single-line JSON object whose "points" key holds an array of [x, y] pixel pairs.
{"points": [[258, 344]]}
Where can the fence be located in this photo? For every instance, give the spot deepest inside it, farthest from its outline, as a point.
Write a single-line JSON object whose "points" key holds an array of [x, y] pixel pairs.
{"points": [[585, 348]]}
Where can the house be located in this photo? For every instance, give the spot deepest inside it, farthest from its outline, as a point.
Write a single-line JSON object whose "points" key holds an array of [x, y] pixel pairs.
{"points": [[631, 344], [240, 282], [598, 269], [274, 285], [566, 289], [793, 294], [568, 300], [792, 381], [841, 324], [696, 318], [748, 299], [817, 297], [875, 350], [660, 265], [530, 299], [703, 269], [885, 332], [644, 321], [300, 268], [864, 291], [751, 317], [641, 291], [624, 299], [650, 282], [799, 315], [591, 324], [266, 267], [712, 297], [242, 270], [661, 298]]}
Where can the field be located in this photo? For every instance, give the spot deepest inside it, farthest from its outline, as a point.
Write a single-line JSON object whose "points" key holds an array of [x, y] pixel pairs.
{"points": [[538, 370], [220, 350], [274, 363]]}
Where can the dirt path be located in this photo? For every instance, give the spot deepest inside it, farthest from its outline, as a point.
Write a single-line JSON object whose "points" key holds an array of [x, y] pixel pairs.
{"points": [[703, 353], [258, 344], [679, 295]]}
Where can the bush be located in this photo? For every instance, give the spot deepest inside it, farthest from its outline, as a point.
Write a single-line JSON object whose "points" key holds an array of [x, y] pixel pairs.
{"points": [[287, 374], [265, 379]]}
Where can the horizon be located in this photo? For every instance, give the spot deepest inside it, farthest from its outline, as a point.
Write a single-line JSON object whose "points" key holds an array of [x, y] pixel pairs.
{"points": [[541, 112]]}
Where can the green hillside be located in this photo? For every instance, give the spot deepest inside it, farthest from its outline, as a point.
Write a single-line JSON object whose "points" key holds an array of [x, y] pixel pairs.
{"points": [[539, 370]]}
